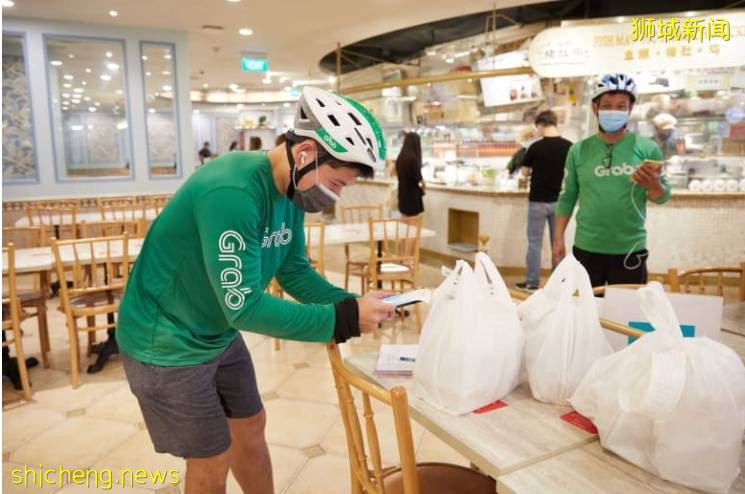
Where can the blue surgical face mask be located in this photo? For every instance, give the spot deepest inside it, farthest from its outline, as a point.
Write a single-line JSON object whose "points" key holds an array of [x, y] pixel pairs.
{"points": [[612, 120]]}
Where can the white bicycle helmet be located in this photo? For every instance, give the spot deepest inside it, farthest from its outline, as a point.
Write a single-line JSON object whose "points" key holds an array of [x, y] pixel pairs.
{"points": [[345, 128], [611, 83]]}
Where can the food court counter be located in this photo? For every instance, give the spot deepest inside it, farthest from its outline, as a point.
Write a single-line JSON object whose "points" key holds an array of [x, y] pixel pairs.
{"points": [[692, 229]]}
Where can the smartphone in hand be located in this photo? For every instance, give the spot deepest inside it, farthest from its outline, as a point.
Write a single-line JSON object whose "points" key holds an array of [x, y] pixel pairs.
{"points": [[408, 298]]}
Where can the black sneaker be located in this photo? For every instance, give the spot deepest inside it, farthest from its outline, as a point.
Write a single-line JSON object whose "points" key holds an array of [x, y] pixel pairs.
{"points": [[524, 287]]}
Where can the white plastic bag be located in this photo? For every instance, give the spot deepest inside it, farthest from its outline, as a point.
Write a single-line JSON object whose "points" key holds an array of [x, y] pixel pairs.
{"points": [[674, 406], [563, 337], [470, 351]]}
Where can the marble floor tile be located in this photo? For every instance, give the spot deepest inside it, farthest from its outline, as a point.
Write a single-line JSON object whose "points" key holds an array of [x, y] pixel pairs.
{"points": [[298, 424]]}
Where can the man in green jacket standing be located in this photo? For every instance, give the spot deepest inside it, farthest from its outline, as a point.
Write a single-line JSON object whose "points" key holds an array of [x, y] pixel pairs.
{"points": [[611, 174], [200, 279]]}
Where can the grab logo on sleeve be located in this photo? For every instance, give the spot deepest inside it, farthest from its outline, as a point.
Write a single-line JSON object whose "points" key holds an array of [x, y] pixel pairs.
{"points": [[283, 236], [616, 171], [231, 277]]}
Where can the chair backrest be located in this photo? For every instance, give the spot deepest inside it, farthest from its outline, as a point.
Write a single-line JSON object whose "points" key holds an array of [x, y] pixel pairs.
{"points": [[682, 281], [360, 214], [364, 478], [60, 222], [24, 237], [98, 266], [315, 236], [116, 200], [110, 228], [55, 203], [157, 202], [123, 209], [11, 303], [394, 236]]}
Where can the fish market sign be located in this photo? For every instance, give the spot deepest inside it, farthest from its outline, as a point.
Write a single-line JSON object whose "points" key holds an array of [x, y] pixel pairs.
{"points": [[574, 51]]}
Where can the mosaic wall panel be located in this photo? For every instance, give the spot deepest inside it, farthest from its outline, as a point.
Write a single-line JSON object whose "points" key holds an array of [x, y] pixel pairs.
{"points": [[19, 161]]}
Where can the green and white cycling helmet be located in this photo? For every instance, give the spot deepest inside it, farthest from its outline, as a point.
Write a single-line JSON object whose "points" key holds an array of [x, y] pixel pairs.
{"points": [[345, 128], [613, 83]]}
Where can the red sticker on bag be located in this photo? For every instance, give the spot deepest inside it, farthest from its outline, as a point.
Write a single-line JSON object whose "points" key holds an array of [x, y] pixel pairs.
{"points": [[491, 406], [580, 421]]}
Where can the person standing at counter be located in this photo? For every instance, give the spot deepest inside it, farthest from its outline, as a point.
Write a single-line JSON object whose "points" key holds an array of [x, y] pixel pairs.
{"points": [[410, 181], [544, 164], [664, 133], [525, 137], [611, 174]]}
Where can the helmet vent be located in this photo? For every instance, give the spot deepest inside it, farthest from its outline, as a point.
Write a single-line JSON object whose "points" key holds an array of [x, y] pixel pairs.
{"points": [[357, 122], [369, 142], [302, 114], [320, 103], [350, 141], [334, 120]]}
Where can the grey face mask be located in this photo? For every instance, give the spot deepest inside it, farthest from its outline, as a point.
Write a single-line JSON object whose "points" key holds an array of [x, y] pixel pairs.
{"points": [[315, 199]]}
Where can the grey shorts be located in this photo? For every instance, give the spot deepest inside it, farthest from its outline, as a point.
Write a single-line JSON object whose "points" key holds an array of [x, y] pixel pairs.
{"points": [[186, 409]]}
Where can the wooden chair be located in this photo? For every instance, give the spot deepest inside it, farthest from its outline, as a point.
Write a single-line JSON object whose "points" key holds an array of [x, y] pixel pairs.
{"points": [[60, 222], [120, 209], [110, 228], [680, 281], [12, 317], [409, 477], [95, 264], [157, 202], [55, 203], [354, 262], [387, 263], [35, 289]]}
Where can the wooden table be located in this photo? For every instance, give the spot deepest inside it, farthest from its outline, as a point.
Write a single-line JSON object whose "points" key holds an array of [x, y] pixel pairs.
{"points": [[92, 216], [352, 233], [498, 442], [592, 470], [733, 317]]}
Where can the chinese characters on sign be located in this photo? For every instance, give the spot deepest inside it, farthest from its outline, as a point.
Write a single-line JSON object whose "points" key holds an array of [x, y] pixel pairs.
{"points": [[675, 29]]}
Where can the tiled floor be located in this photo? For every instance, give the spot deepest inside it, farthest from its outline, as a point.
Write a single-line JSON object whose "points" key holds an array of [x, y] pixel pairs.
{"points": [[99, 425]]}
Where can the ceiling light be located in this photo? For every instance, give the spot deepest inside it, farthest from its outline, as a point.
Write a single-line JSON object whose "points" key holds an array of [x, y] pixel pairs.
{"points": [[68, 77], [87, 98], [156, 94], [92, 109], [70, 56], [65, 95], [232, 1], [105, 77], [166, 72], [286, 105], [151, 110], [67, 85], [84, 83], [10, 3], [245, 31], [112, 66], [167, 56], [87, 71], [113, 13], [119, 91], [78, 90], [205, 85], [96, 104], [76, 127], [196, 112], [144, 57], [148, 74], [167, 88], [56, 63]]}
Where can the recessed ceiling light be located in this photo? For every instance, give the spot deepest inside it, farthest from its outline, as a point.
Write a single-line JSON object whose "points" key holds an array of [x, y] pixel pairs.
{"points": [[105, 77], [245, 31], [56, 63], [148, 74], [96, 104], [65, 95], [156, 94], [109, 54], [233, 1], [151, 110], [87, 98], [90, 127], [67, 85], [87, 71], [112, 66], [205, 85], [167, 88], [70, 55], [8, 3], [78, 90], [144, 57], [113, 13], [166, 72], [84, 83], [119, 91], [167, 56], [68, 77], [92, 109], [196, 112]]}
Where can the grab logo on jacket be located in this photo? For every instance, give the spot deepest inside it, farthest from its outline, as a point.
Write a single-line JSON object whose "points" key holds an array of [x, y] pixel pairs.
{"points": [[616, 171], [283, 236], [231, 278]]}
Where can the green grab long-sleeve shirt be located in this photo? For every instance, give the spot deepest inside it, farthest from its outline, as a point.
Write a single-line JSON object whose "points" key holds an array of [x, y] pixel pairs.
{"points": [[206, 261], [598, 176]]}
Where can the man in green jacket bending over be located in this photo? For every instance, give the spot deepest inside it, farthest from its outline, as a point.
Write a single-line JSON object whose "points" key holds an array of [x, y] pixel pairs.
{"points": [[200, 278]]}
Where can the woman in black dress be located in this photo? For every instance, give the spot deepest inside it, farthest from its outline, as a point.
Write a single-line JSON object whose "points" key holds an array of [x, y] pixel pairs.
{"points": [[410, 181]]}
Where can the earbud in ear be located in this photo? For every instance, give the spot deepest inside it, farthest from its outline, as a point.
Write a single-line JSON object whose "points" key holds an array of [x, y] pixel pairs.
{"points": [[302, 158]]}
